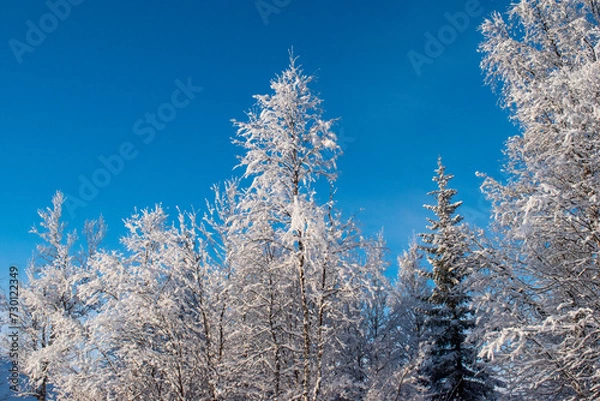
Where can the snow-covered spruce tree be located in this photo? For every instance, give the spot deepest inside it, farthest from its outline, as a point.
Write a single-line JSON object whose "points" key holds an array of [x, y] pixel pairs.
{"points": [[296, 278], [53, 310], [543, 55], [451, 367]]}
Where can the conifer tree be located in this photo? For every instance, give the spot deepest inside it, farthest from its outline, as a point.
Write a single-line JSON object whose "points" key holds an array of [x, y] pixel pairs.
{"points": [[451, 369]]}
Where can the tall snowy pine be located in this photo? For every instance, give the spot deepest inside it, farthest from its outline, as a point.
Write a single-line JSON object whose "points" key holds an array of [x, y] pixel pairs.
{"points": [[450, 368]]}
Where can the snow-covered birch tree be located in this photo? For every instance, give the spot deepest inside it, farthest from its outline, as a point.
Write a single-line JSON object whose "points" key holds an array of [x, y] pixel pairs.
{"points": [[543, 56], [297, 277], [158, 330], [53, 308], [398, 378]]}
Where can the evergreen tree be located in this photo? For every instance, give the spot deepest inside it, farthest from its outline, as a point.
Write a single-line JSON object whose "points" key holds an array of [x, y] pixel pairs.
{"points": [[451, 369]]}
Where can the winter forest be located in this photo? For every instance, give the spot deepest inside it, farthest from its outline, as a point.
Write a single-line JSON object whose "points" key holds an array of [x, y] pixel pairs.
{"points": [[271, 293]]}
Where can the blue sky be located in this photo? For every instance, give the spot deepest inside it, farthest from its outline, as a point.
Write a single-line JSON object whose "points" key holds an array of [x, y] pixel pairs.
{"points": [[73, 97]]}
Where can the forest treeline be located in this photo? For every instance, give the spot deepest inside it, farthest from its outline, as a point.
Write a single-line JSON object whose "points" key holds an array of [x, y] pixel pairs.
{"points": [[270, 293]]}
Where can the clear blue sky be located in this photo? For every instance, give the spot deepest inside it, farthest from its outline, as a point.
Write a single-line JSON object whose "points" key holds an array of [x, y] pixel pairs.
{"points": [[76, 94]]}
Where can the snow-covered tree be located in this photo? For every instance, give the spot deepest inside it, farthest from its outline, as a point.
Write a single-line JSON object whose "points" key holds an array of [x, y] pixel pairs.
{"points": [[53, 309], [378, 346], [412, 293], [158, 333], [296, 277], [543, 55], [451, 368], [398, 378], [136, 290]]}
